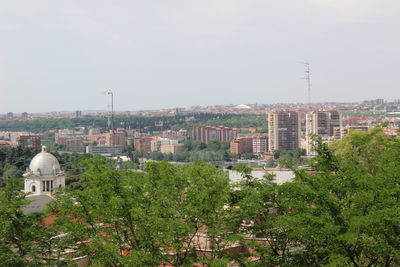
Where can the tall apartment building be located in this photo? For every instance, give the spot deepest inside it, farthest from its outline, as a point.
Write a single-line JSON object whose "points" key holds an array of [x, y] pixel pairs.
{"points": [[260, 144], [29, 141], [321, 124], [242, 145], [219, 133], [283, 130], [24, 115], [9, 116]]}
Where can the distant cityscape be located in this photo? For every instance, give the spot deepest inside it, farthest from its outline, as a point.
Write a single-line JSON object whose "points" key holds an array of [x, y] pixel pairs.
{"points": [[283, 127], [378, 106]]}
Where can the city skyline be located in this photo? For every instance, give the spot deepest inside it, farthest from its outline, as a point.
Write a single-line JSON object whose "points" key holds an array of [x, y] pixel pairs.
{"points": [[240, 108], [157, 54]]}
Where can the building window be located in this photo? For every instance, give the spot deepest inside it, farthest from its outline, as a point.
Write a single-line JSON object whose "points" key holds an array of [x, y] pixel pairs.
{"points": [[33, 188]]}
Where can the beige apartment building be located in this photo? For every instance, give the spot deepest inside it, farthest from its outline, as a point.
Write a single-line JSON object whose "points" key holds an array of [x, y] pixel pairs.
{"points": [[172, 148], [283, 130], [260, 144], [219, 133]]}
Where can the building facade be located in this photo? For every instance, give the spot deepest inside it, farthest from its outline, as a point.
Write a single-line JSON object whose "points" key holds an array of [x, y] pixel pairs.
{"points": [[104, 150], [143, 144], [29, 141], [241, 145], [172, 148], [115, 139], [9, 116], [75, 145], [260, 144], [218, 133], [24, 116], [340, 132], [283, 130]]}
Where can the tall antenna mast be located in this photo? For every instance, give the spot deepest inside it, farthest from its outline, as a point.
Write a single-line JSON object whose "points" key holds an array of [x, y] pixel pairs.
{"points": [[308, 78], [109, 92]]}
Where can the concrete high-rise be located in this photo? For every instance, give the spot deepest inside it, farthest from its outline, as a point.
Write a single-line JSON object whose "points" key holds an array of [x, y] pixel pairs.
{"points": [[321, 124], [24, 115], [9, 116], [283, 130]]}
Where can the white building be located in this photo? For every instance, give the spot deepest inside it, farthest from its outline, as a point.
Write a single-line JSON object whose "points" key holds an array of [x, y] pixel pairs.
{"points": [[43, 175]]}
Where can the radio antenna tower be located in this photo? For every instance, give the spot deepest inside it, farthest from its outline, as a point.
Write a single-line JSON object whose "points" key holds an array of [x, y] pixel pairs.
{"points": [[109, 92], [308, 78]]}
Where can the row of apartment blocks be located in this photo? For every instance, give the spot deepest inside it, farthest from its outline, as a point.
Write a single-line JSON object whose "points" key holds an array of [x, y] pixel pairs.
{"points": [[75, 140], [284, 132], [157, 144], [284, 129], [11, 116], [218, 133], [24, 141]]}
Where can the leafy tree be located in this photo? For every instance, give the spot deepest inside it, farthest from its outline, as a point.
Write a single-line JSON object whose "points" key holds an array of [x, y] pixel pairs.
{"points": [[146, 214], [345, 214], [14, 161], [145, 123], [10, 171], [24, 241], [290, 158]]}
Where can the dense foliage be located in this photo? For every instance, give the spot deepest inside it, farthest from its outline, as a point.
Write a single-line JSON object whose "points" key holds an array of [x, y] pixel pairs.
{"points": [[290, 158], [146, 123], [23, 239], [14, 161], [346, 213], [213, 151]]}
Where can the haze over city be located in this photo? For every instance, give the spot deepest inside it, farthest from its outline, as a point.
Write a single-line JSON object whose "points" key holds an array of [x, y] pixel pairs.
{"points": [[62, 55]]}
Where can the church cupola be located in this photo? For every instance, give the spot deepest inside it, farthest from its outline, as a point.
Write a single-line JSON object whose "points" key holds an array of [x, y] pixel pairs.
{"points": [[44, 174]]}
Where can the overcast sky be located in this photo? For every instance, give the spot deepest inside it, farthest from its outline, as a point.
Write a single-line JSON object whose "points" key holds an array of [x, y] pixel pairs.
{"points": [[62, 55]]}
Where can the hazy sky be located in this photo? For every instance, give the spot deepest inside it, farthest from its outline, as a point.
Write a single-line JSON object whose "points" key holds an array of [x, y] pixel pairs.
{"points": [[61, 55]]}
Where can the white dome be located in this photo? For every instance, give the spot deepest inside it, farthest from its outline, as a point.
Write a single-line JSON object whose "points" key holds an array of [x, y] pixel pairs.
{"points": [[45, 164], [243, 106]]}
